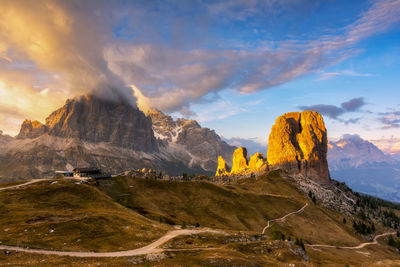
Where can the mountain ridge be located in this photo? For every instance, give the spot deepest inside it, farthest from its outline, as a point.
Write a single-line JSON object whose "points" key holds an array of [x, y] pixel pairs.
{"points": [[89, 131]]}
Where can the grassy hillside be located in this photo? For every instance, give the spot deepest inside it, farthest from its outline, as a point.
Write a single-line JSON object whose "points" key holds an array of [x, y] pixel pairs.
{"points": [[67, 215], [231, 206], [124, 212], [246, 204]]}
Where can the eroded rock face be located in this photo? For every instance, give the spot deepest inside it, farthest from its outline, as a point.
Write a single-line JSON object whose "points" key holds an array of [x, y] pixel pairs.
{"points": [[32, 129], [239, 161], [298, 143], [200, 144], [256, 162], [222, 169], [92, 119]]}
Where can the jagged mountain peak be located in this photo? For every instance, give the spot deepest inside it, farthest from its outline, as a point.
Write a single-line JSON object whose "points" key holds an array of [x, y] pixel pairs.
{"points": [[351, 151]]}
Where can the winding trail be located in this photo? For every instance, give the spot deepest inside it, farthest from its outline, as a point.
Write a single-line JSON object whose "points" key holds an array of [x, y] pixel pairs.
{"points": [[362, 245], [149, 249], [283, 218], [24, 184]]}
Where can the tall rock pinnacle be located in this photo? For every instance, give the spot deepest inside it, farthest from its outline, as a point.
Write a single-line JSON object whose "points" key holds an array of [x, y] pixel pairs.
{"points": [[222, 169], [298, 143], [239, 161]]}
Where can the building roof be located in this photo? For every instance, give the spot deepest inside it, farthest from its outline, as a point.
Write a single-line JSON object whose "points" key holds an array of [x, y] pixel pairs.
{"points": [[87, 170]]}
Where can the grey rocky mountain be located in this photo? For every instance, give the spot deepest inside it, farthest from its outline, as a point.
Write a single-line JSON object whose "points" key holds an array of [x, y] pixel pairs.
{"points": [[89, 131], [202, 145]]}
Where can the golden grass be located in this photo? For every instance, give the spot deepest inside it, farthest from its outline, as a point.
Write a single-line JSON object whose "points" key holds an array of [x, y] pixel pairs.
{"points": [[69, 216]]}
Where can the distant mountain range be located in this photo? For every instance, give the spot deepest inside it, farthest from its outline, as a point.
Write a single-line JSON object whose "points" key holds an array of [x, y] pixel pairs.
{"points": [[364, 167]]}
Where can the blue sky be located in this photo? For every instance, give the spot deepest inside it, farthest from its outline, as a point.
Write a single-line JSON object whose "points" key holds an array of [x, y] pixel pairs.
{"points": [[232, 65]]}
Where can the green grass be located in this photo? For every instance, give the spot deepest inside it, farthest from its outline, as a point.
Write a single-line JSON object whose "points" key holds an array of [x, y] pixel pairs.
{"points": [[70, 216]]}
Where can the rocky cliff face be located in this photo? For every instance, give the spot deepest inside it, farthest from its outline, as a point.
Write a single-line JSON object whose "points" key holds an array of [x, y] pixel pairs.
{"points": [[298, 143], [32, 129], [256, 162], [92, 119], [222, 169], [239, 161], [201, 145]]}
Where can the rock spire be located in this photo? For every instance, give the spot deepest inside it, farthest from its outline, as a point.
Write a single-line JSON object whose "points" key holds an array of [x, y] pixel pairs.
{"points": [[298, 144]]}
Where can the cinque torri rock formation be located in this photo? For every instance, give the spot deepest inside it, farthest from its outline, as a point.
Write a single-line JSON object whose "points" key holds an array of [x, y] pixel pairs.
{"points": [[298, 143], [89, 131], [241, 165]]}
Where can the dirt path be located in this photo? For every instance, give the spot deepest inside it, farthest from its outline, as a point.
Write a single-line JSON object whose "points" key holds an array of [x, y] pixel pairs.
{"points": [[362, 245], [24, 184], [149, 249], [284, 217]]}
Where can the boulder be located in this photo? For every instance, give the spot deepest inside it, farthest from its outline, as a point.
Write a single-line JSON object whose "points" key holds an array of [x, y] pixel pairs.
{"points": [[298, 144], [222, 169]]}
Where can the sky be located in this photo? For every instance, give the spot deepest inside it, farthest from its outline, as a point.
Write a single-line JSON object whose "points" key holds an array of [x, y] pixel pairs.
{"points": [[234, 66]]}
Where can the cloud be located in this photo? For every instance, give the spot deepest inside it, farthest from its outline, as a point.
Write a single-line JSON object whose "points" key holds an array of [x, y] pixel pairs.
{"points": [[349, 73], [334, 112], [51, 50], [64, 37], [353, 104], [390, 120], [174, 78], [331, 111]]}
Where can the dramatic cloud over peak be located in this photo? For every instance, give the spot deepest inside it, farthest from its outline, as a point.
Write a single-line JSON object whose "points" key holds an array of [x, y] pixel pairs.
{"points": [[334, 112], [173, 54], [64, 40]]}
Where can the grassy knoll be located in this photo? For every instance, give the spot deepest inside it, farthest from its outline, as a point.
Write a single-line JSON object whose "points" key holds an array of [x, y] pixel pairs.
{"points": [[66, 215]]}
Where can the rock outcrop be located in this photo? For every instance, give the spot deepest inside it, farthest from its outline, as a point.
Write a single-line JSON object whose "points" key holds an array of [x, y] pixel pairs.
{"points": [[222, 169], [239, 161], [32, 129], [241, 166], [298, 144], [256, 162]]}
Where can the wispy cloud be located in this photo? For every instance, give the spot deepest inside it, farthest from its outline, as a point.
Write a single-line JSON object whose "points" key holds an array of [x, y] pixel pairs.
{"points": [[176, 78], [390, 120], [346, 73]]}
